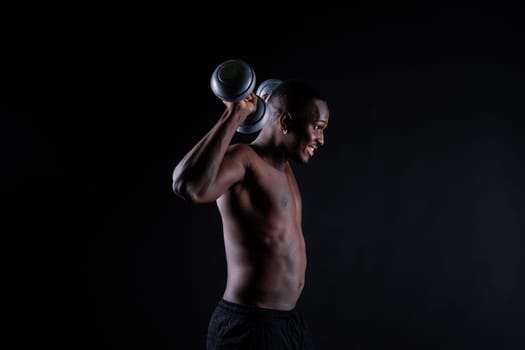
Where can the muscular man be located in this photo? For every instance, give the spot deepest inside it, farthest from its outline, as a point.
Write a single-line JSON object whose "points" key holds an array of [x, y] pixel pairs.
{"points": [[260, 206]]}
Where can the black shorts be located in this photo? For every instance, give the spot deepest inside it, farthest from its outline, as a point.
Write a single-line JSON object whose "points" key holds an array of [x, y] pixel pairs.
{"points": [[235, 326]]}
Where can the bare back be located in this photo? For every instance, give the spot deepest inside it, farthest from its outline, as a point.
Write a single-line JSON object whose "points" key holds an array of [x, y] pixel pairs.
{"points": [[264, 243]]}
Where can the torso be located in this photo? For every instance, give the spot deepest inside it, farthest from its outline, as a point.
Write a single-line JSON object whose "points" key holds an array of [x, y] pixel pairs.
{"points": [[264, 243]]}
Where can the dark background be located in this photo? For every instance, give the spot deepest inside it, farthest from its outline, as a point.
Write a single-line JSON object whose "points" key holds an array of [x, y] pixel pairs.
{"points": [[413, 210]]}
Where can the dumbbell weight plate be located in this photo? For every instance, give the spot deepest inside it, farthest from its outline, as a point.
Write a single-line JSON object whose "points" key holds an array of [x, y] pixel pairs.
{"points": [[233, 80]]}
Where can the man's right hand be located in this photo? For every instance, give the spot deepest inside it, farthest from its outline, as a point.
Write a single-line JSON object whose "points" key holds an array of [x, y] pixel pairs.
{"points": [[243, 108]]}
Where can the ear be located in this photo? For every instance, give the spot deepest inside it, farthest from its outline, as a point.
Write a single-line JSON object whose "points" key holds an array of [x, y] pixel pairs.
{"points": [[285, 122]]}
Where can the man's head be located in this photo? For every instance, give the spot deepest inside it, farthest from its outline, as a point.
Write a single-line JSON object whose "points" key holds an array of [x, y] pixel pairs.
{"points": [[298, 117]]}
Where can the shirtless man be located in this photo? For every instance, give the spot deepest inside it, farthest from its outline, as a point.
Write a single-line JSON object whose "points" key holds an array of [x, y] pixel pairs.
{"points": [[260, 206]]}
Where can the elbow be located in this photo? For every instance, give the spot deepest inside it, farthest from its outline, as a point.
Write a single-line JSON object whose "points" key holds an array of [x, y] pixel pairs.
{"points": [[180, 189], [189, 187], [179, 184], [183, 190]]}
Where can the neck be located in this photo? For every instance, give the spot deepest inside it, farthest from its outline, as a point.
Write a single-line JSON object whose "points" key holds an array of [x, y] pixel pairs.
{"points": [[270, 148]]}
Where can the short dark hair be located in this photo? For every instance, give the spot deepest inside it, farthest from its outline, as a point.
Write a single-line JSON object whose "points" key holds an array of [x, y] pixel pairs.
{"points": [[292, 95]]}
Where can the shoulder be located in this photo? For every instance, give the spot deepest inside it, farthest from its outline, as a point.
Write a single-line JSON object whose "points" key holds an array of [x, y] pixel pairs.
{"points": [[238, 150], [242, 153]]}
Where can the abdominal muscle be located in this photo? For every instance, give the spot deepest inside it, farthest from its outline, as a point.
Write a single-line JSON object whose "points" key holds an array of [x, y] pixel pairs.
{"points": [[268, 271]]}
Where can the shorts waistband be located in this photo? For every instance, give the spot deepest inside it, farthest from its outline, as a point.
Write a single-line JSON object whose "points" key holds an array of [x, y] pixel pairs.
{"points": [[252, 310]]}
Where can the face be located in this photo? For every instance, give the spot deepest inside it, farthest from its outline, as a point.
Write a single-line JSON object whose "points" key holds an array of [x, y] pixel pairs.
{"points": [[308, 130]]}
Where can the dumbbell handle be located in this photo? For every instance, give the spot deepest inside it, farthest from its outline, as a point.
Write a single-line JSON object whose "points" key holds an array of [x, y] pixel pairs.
{"points": [[255, 121]]}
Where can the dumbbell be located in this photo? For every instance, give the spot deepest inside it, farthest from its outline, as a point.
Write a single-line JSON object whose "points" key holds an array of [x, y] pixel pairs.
{"points": [[267, 87], [234, 80]]}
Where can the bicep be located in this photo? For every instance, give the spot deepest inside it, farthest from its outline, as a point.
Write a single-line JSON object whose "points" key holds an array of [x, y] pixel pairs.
{"points": [[231, 171]]}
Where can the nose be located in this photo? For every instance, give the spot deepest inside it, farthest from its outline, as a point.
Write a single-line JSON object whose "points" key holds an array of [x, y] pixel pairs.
{"points": [[320, 139]]}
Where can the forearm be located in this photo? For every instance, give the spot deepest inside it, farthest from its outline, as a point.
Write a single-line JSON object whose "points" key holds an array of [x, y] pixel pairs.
{"points": [[198, 168]]}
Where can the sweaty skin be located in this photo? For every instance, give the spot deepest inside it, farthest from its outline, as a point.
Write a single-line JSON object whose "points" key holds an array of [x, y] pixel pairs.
{"points": [[258, 199]]}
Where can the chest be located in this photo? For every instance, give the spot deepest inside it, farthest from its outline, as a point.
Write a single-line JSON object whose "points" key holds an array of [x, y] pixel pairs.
{"points": [[273, 190]]}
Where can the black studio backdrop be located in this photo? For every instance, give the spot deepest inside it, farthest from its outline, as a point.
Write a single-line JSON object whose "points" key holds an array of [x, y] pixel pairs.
{"points": [[413, 210]]}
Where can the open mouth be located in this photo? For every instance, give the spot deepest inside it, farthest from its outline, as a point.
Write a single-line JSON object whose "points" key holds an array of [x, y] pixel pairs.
{"points": [[310, 149]]}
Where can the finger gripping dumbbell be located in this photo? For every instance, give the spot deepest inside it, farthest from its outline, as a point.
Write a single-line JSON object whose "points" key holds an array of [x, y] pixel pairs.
{"points": [[234, 80]]}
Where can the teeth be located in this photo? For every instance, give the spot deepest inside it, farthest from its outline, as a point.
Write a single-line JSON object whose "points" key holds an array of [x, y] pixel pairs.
{"points": [[310, 150]]}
